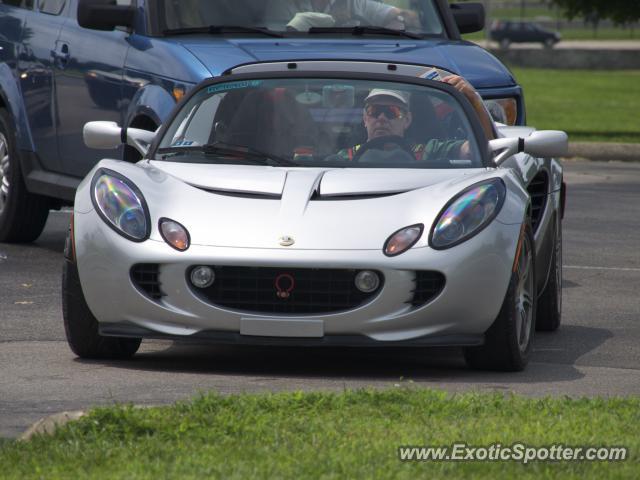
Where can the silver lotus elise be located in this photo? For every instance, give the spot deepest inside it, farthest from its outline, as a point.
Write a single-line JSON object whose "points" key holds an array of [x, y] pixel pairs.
{"points": [[319, 204]]}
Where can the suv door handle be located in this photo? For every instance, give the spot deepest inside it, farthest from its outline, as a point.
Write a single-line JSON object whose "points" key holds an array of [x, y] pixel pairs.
{"points": [[61, 55]]}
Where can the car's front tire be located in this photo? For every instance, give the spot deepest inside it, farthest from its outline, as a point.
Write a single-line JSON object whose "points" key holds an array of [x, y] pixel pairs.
{"points": [[80, 326], [549, 43], [22, 214], [504, 43], [509, 340], [550, 301]]}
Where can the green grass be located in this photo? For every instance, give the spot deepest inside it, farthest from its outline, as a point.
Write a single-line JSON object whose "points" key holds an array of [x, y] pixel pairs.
{"points": [[354, 434], [588, 105]]}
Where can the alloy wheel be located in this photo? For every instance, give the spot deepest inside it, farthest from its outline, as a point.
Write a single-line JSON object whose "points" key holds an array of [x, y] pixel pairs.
{"points": [[524, 295], [4, 171]]}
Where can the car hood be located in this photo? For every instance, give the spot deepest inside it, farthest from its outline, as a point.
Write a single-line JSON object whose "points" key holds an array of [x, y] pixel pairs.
{"points": [[324, 183], [321, 208], [477, 65]]}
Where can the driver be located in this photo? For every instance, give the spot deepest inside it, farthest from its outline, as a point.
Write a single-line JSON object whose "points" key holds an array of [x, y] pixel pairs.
{"points": [[386, 114], [325, 13]]}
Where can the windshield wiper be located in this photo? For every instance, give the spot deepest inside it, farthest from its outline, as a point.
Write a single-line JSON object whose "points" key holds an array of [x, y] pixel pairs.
{"points": [[243, 152], [363, 30], [221, 29]]}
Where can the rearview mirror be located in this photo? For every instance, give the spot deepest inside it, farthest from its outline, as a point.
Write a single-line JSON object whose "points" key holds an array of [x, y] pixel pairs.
{"points": [[108, 136], [541, 143], [468, 16], [105, 14]]}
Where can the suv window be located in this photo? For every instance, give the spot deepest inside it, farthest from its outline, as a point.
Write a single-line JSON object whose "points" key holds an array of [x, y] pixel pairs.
{"points": [[52, 7], [417, 16]]}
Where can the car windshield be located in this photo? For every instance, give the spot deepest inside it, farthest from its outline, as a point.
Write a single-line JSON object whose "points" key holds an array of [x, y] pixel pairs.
{"points": [[315, 17], [322, 122]]}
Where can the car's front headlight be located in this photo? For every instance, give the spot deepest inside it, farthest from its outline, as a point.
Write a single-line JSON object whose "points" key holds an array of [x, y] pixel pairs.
{"points": [[503, 110], [121, 205], [467, 214]]}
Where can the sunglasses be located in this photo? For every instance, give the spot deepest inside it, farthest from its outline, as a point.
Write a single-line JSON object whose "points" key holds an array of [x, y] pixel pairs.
{"points": [[392, 112]]}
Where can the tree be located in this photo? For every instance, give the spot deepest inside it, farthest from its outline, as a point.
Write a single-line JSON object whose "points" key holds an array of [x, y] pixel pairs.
{"points": [[619, 11]]}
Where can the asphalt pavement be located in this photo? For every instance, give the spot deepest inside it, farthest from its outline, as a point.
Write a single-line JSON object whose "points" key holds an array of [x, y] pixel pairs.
{"points": [[595, 352]]}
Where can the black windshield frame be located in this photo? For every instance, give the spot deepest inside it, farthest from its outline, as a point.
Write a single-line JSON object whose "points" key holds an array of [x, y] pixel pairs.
{"points": [[471, 115]]}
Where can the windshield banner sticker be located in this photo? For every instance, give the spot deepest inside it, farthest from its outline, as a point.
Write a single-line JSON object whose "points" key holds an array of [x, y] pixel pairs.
{"points": [[234, 86]]}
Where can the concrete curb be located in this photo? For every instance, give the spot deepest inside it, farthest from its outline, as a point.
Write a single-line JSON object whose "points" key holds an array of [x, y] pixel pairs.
{"points": [[48, 425], [628, 152]]}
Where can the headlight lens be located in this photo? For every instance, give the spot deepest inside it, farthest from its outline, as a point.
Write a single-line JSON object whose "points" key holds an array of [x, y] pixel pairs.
{"points": [[121, 205], [503, 110], [402, 240], [468, 213]]}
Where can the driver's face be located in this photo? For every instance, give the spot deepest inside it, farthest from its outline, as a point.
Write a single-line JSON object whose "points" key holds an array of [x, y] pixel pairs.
{"points": [[381, 121]]}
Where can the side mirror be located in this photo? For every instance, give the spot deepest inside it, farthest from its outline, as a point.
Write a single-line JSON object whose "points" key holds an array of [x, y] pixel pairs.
{"points": [[105, 14], [109, 136], [541, 143], [468, 16]]}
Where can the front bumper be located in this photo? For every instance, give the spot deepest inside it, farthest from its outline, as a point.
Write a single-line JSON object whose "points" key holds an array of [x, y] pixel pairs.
{"points": [[477, 273]]}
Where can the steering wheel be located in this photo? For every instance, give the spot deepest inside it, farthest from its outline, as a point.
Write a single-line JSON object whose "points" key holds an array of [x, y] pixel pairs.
{"points": [[379, 144]]}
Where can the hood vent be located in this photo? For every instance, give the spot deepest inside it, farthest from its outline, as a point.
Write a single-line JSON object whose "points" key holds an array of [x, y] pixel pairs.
{"points": [[314, 197], [317, 197], [251, 195]]}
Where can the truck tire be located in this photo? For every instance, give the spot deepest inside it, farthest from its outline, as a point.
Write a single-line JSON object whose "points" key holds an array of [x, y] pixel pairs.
{"points": [[22, 214]]}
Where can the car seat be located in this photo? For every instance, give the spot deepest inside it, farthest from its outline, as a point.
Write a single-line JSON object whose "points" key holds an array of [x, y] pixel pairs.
{"points": [[269, 120], [425, 125]]}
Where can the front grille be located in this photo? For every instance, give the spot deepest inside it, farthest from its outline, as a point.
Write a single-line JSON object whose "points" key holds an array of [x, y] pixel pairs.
{"points": [[314, 290], [428, 286], [538, 192], [145, 278]]}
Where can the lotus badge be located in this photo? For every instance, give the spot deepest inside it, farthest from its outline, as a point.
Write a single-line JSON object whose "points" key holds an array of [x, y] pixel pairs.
{"points": [[286, 241], [284, 285]]}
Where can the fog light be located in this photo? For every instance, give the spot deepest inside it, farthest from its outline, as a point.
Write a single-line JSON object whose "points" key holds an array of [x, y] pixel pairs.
{"points": [[367, 281], [202, 277], [174, 234]]}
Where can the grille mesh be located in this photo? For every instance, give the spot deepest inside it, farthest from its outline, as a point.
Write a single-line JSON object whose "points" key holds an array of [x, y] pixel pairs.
{"points": [[145, 277], [314, 290], [428, 286], [538, 192]]}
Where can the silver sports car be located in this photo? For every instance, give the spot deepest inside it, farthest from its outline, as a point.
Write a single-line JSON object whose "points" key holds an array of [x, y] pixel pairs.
{"points": [[319, 204]]}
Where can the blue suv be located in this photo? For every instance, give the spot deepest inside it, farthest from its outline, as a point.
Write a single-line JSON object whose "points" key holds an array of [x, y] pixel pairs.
{"points": [[66, 62]]}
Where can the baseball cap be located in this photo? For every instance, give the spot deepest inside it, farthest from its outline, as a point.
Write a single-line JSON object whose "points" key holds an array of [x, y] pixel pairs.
{"points": [[381, 92]]}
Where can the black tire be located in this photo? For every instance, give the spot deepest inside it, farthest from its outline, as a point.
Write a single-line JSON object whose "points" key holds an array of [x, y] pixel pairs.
{"points": [[504, 43], [508, 347], [81, 327], [22, 214], [549, 43], [550, 302]]}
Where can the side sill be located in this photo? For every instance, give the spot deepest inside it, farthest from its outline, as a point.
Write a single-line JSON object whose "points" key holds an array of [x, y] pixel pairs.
{"points": [[42, 182]]}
